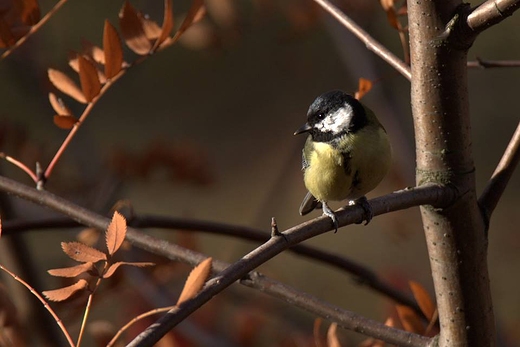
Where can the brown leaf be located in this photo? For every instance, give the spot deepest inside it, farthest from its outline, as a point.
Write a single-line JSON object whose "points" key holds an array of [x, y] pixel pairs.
{"points": [[71, 271], [316, 332], [64, 121], [64, 84], [195, 13], [113, 50], [195, 281], [152, 30], [391, 16], [409, 319], [332, 337], [110, 271], [364, 87], [31, 12], [7, 38], [387, 4], [88, 76], [65, 292], [93, 51], [133, 31], [167, 25], [81, 252], [116, 233], [423, 299], [74, 64], [58, 105]]}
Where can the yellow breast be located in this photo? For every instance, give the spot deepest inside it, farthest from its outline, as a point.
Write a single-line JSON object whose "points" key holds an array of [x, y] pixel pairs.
{"points": [[331, 176]]}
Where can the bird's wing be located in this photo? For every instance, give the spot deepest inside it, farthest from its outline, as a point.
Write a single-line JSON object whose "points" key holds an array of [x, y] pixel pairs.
{"points": [[308, 204]]}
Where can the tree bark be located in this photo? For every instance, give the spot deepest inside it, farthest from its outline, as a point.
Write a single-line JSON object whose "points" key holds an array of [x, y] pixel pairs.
{"points": [[456, 235]]}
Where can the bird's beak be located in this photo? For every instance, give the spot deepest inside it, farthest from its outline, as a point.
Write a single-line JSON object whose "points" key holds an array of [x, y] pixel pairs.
{"points": [[303, 129]]}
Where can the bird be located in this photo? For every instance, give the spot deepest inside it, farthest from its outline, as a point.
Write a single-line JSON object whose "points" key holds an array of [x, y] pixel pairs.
{"points": [[346, 154]]}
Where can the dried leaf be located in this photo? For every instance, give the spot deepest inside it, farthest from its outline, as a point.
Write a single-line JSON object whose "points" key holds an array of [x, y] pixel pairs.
{"points": [[64, 84], [64, 121], [71, 271], [332, 337], [31, 12], [81, 252], [316, 332], [363, 88], [58, 105], [195, 13], [116, 233], [113, 50], [88, 76], [167, 25], [133, 31], [200, 36], [387, 4], [110, 271], [93, 51], [409, 319], [423, 299], [152, 30], [74, 64], [391, 16], [195, 281], [65, 292], [7, 38]]}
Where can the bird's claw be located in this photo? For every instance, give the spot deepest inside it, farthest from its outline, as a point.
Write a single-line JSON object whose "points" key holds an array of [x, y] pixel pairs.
{"points": [[368, 213], [328, 212]]}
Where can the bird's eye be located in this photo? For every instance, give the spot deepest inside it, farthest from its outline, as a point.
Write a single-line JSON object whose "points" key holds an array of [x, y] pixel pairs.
{"points": [[321, 116]]}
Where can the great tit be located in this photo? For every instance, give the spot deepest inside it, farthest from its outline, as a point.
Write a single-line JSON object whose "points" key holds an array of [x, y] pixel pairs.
{"points": [[346, 154]]}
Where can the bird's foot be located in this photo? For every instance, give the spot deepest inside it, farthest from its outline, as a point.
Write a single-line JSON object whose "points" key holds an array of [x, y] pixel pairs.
{"points": [[368, 213], [328, 212]]}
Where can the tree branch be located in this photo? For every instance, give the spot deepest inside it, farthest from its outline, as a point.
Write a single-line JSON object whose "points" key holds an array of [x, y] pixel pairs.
{"points": [[490, 13], [455, 236], [497, 184], [434, 195], [371, 43], [486, 64], [364, 275]]}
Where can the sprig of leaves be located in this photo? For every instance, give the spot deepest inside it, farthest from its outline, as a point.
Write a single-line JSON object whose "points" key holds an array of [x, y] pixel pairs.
{"points": [[89, 257]]}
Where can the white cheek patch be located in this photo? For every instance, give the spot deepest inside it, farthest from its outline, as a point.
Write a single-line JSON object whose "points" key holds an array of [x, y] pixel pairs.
{"points": [[337, 121]]}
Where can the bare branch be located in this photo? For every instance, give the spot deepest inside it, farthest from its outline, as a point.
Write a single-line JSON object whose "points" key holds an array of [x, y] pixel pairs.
{"points": [[486, 64], [364, 275], [498, 182], [371, 43], [346, 319], [490, 13], [435, 195]]}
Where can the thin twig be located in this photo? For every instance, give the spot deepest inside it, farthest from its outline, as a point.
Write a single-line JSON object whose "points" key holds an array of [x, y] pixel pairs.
{"points": [[346, 319], [486, 64], [364, 275], [437, 195], [21, 166], [371, 43], [33, 29], [136, 319], [76, 126], [490, 13], [429, 194], [499, 179], [45, 304]]}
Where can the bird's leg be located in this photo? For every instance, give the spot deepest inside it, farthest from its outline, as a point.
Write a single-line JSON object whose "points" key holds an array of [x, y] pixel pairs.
{"points": [[363, 202], [328, 212]]}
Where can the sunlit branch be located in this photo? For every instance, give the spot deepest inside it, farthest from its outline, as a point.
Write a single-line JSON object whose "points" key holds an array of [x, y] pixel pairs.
{"points": [[490, 13], [371, 43], [500, 178]]}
